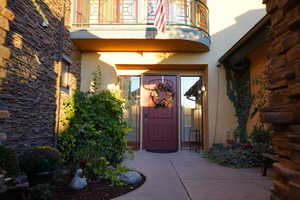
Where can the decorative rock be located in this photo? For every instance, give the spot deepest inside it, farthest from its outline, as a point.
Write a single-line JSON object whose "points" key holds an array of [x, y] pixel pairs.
{"points": [[65, 172], [3, 187], [77, 182], [131, 177], [110, 167], [22, 179]]}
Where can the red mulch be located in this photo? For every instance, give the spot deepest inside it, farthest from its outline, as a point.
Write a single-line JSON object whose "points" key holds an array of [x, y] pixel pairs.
{"points": [[94, 191]]}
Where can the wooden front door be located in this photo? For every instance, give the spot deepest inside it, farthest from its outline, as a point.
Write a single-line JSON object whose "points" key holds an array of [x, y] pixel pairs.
{"points": [[159, 122]]}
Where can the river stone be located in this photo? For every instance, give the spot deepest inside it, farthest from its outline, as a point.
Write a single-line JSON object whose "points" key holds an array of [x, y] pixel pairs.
{"points": [[3, 187], [110, 167], [22, 179], [131, 177]]}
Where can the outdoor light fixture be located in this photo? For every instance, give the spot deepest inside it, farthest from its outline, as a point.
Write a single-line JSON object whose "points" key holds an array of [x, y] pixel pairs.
{"points": [[3, 138], [44, 24], [203, 89]]}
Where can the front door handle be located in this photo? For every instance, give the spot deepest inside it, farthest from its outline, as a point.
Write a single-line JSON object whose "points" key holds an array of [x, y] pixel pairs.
{"points": [[145, 115]]}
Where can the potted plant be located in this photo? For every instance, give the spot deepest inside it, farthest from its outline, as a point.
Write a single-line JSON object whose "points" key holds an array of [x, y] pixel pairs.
{"points": [[230, 138], [39, 164]]}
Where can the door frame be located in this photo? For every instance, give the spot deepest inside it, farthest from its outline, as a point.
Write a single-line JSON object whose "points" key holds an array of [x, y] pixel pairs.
{"points": [[203, 73]]}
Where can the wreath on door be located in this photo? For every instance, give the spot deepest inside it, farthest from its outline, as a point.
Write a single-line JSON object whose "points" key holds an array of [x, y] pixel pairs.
{"points": [[163, 95]]}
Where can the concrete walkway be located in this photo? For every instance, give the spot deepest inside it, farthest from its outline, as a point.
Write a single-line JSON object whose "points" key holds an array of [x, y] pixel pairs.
{"points": [[187, 176]]}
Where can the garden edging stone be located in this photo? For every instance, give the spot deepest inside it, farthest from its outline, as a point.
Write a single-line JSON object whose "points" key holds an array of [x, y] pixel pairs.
{"points": [[131, 177]]}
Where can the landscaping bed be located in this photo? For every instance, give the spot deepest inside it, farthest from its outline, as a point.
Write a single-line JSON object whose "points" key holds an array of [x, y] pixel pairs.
{"points": [[95, 191], [242, 156], [87, 163], [103, 190]]}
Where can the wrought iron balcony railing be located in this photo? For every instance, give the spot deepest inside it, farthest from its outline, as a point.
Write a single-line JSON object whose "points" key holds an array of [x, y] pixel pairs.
{"points": [[92, 13]]}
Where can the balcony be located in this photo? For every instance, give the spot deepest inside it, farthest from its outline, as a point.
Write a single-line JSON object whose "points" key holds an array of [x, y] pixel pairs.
{"points": [[127, 25]]}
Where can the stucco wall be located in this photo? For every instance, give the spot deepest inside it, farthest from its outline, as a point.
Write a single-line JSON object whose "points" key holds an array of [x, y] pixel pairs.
{"points": [[229, 21], [258, 68]]}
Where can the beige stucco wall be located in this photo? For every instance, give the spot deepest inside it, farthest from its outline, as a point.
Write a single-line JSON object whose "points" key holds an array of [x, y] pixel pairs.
{"points": [[229, 21], [258, 67]]}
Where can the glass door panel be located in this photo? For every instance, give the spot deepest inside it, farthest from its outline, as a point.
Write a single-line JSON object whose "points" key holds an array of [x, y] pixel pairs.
{"points": [[191, 113], [130, 91]]}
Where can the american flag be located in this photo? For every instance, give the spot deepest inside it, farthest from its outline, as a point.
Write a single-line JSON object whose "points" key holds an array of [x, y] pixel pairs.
{"points": [[160, 21]]}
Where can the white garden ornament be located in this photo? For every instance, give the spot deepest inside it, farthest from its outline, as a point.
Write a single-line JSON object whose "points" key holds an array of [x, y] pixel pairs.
{"points": [[78, 182]]}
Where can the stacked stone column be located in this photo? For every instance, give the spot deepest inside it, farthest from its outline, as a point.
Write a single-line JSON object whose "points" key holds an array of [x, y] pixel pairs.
{"points": [[5, 16], [284, 110], [33, 39]]}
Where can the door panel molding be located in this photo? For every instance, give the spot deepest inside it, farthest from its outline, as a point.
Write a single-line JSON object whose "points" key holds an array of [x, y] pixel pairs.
{"points": [[159, 133]]}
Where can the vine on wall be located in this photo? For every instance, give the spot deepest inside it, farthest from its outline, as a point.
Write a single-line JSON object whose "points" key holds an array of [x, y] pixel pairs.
{"points": [[262, 95], [239, 92], [96, 81]]}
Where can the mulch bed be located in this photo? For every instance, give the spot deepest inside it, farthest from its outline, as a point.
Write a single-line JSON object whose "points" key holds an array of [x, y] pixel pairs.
{"points": [[95, 191]]}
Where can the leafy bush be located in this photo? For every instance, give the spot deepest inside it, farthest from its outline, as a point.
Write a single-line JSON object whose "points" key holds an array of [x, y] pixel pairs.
{"points": [[260, 135], [99, 167], [94, 128], [48, 148], [114, 175], [9, 161], [39, 192], [37, 160], [261, 139], [238, 157]]}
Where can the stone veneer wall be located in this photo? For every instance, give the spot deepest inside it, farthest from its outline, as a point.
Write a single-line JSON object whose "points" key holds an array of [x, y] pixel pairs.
{"points": [[5, 16], [284, 110], [30, 64]]}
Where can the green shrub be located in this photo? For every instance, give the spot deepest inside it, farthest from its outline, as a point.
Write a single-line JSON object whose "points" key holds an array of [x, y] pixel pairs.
{"points": [[37, 160], [238, 157], [114, 175], [99, 168], [261, 139], [39, 192], [94, 128], [9, 161], [260, 135]]}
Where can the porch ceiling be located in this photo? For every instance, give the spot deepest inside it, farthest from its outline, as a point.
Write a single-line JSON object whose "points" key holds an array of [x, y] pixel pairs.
{"points": [[162, 66], [139, 45]]}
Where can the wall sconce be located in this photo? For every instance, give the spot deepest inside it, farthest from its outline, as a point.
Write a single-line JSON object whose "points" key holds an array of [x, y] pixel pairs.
{"points": [[203, 89], [44, 24]]}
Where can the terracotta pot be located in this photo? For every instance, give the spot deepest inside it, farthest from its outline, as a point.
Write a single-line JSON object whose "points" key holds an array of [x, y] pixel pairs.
{"points": [[230, 141]]}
